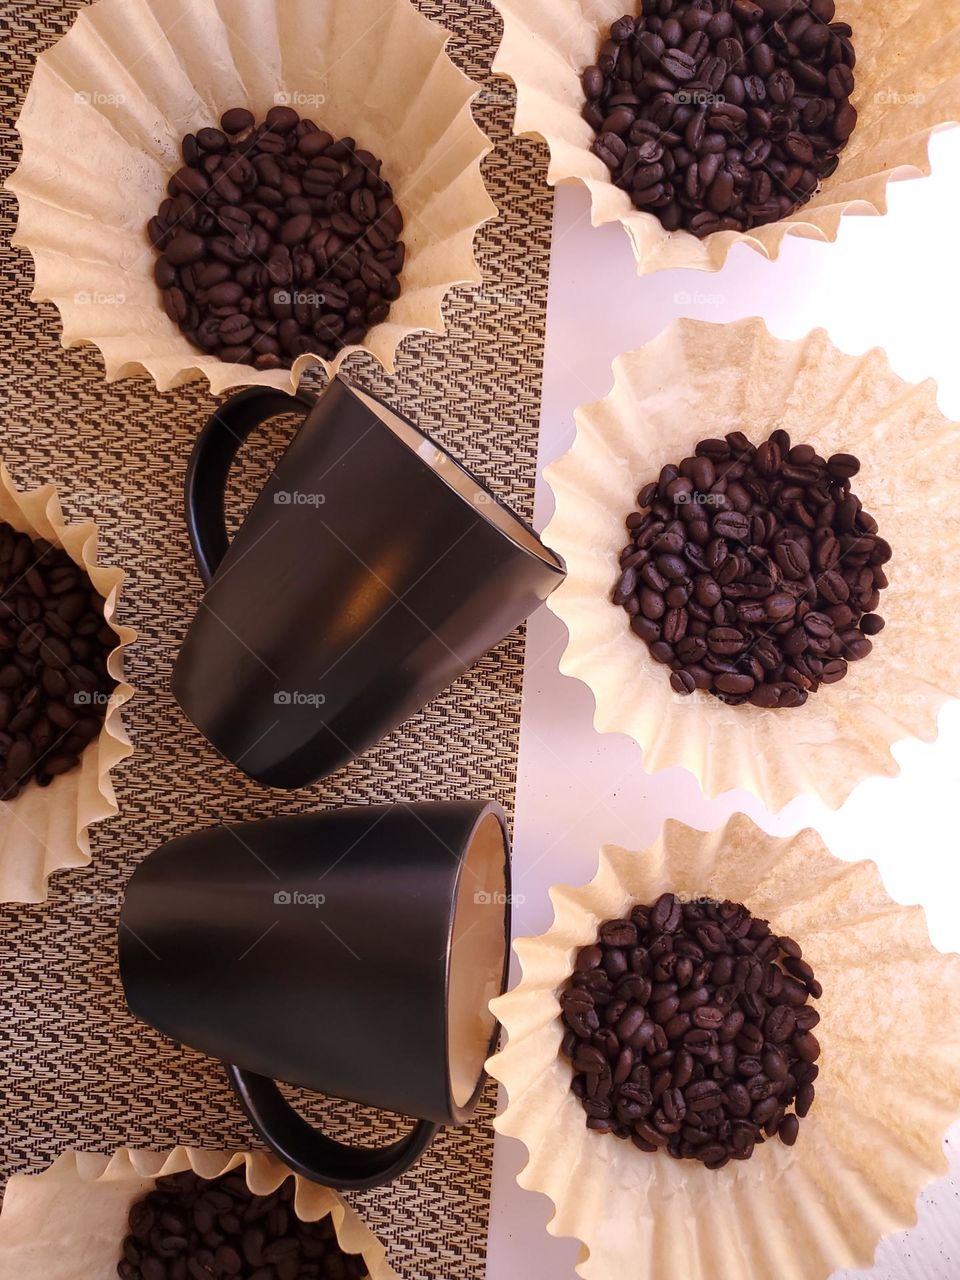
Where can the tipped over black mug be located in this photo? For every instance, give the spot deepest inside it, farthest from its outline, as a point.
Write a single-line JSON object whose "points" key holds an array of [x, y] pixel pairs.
{"points": [[371, 572], [353, 952]]}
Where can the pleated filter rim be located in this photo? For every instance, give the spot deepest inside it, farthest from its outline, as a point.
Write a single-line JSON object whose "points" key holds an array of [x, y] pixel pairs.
{"points": [[697, 380], [110, 102], [889, 1084], [907, 87], [46, 829], [69, 1221]]}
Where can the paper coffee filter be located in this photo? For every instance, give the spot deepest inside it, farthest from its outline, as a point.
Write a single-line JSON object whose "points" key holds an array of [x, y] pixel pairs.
{"points": [[697, 380], [45, 829], [69, 1222], [907, 85], [101, 130], [889, 1084]]}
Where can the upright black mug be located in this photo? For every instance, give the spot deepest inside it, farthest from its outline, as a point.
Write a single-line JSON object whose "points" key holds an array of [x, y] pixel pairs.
{"points": [[371, 572], [354, 952]]}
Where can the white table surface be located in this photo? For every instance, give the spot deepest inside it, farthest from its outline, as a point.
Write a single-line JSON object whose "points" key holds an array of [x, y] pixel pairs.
{"points": [[892, 282]]}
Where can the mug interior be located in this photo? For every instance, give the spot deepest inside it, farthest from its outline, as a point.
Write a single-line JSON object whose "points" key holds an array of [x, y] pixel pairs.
{"points": [[456, 477], [478, 949]]}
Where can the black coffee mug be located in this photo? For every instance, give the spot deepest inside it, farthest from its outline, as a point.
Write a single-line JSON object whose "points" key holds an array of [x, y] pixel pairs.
{"points": [[372, 571], [353, 952]]}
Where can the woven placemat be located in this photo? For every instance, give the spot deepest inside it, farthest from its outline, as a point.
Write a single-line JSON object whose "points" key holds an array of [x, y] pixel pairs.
{"points": [[78, 1071]]}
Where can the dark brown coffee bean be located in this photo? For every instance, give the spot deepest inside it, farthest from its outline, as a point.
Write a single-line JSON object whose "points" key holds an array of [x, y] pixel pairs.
{"points": [[666, 914], [731, 524], [792, 559], [184, 248], [725, 640], [210, 139], [19, 759], [294, 230], [843, 466], [806, 1046], [703, 1096], [780, 1024], [236, 120], [52, 766], [281, 119], [789, 1130], [734, 683], [674, 625], [683, 682], [236, 330]]}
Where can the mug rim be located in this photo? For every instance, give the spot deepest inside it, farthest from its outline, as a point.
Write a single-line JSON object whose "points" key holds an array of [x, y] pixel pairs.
{"points": [[460, 1113], [543, 554]]}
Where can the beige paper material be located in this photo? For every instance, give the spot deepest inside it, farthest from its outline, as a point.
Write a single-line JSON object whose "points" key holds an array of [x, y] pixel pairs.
{"points": [[697, 380], [889, 1084], [69, 1222], [101, 130], [908, 84], [45, 828]]}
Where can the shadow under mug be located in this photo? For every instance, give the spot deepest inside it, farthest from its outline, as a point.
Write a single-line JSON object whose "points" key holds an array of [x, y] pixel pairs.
{"points": [[353, 952], [371, 572]]}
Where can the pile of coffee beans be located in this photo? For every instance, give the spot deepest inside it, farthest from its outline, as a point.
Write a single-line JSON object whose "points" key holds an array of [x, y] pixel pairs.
{"points": [[54, 645], [276, 240], [689, 1031], [752, 572], [721, 115], [189, 1228]]}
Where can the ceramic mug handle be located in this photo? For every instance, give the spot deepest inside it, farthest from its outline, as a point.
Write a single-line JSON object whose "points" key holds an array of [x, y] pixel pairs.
{"points": [[311, 1153], [209, 466]]}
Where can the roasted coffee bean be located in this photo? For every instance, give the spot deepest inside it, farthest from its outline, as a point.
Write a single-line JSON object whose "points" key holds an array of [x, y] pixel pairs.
{"points": [[236, 120], [666, 914], [713, 120], [184, 249], [280, 243], [774, 595], [704, 1053], [220, 1229], [51, 703]]}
